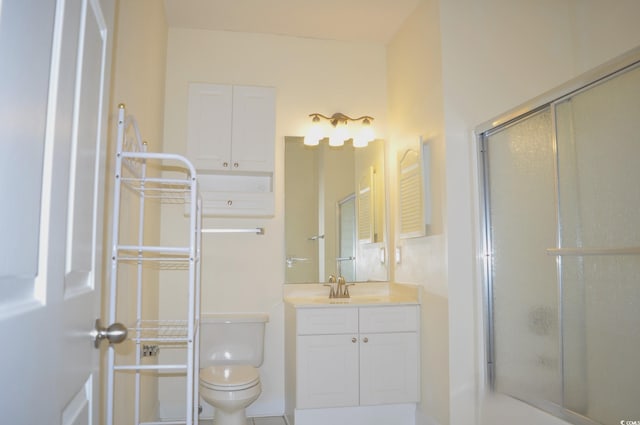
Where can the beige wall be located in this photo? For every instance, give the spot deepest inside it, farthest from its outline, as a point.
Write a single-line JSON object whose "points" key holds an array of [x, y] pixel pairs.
{"points": [[416, 109], [244, 272], [138, 74]]}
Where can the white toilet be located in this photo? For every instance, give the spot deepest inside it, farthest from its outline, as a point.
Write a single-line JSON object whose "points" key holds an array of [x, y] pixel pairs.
{"points": [[231, 350]]}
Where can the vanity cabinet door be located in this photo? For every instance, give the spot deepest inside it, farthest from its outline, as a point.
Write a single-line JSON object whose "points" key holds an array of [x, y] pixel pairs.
{"points": [[327, 371], [389, 354], [389, 368]]}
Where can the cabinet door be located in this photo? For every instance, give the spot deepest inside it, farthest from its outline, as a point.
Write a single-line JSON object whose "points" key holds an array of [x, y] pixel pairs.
{"points": [[253, 131], [209, 126], [389, 368], [327, 371]]}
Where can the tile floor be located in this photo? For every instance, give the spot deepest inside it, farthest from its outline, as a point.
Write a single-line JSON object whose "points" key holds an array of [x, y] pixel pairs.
{"points": [[273, 420]]}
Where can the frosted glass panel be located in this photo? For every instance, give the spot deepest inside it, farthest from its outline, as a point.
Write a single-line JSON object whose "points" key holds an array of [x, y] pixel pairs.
{"points": [[598, 151], [599, 172], [523, 221], [601, 336]]}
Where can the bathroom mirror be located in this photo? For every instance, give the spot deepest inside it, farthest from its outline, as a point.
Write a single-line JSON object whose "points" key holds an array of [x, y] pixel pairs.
{"points": [[335, 220]]}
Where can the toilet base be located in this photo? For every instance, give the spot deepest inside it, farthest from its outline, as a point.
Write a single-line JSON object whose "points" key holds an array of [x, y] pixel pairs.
{"points": [[230, 406], [239, 417]]}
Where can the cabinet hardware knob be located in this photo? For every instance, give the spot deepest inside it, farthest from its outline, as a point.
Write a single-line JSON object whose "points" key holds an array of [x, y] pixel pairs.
{"points": [[365, 339], [225, 164], [229, 202], [354, 340], [235, 165]]}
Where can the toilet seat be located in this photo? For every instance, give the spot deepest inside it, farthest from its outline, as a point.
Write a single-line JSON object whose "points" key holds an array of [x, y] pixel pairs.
{"points": [[229, 378]]}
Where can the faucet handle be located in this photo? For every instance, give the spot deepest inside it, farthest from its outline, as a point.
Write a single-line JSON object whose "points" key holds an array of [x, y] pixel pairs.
{"points": [[333, 292]]}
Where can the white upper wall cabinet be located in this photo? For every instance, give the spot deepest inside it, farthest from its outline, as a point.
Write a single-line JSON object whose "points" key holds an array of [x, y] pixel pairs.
{"points": [[254, 128], [231, 142], [231, 128]]}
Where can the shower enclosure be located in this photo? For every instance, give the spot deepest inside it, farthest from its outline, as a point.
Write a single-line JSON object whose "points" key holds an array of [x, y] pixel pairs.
{"points": [[560, 188]]}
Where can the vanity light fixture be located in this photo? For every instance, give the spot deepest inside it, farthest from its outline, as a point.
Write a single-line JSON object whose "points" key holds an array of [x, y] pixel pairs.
{"points": [[339, 132]]}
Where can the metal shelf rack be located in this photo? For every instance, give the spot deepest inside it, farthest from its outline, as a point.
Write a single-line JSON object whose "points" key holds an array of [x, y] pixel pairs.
{"points": [[142, 178]]}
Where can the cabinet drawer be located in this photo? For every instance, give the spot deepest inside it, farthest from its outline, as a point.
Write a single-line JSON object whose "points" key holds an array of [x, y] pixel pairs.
{"points": [[321, 321], [237, 204], [389, 319]]}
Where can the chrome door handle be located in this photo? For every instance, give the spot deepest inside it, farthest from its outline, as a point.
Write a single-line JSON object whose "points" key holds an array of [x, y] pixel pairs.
{"points": [[115, 333]]}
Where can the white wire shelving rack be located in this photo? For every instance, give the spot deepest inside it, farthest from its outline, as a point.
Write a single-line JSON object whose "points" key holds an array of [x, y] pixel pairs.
{"points": [[143, 178]]}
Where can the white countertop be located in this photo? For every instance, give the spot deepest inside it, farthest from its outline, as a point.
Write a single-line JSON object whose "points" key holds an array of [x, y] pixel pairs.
{"points": [[362, 294]]}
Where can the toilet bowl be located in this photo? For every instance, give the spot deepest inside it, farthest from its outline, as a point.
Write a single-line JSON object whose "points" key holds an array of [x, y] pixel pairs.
{"points": [[231, 350], [230, 389]]}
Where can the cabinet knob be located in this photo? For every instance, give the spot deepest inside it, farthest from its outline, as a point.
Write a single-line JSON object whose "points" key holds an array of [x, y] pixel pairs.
{"points": [[365, 339], [235, 165], [229, 202], [225, 164], [354, 340]]}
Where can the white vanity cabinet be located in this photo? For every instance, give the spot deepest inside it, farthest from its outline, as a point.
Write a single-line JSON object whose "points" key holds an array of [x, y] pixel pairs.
{"points": [[231, 142], [351, 356]]}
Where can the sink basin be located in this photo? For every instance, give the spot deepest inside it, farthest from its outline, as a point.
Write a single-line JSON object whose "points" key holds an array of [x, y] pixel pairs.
{"points": [[359, 299]]}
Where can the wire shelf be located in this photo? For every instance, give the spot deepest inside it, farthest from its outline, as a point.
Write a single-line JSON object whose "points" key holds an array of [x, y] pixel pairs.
{"points": [[160, 331], [167, 191]]}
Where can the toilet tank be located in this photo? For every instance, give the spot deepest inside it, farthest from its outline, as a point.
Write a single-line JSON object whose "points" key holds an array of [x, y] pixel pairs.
{"points": [[232, 338]]}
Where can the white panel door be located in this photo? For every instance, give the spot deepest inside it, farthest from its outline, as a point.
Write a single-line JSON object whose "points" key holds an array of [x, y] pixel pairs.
{"points": [[55, 56]]}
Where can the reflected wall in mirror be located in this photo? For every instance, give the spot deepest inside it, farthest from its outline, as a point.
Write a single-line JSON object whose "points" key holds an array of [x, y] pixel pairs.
{"points": [[335, 221]]}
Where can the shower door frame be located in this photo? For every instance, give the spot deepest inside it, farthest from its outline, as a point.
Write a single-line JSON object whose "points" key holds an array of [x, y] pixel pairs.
{"points": [[550, 99]]}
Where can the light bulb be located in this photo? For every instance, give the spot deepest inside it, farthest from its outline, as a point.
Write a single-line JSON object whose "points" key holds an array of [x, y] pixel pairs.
{"points": [[314, 134], [364, 136], [339, 135]]}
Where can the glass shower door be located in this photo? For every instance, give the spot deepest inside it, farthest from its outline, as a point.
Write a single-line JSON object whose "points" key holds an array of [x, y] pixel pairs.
{"points": [[562, 247], [525, 349], [598, 145]]}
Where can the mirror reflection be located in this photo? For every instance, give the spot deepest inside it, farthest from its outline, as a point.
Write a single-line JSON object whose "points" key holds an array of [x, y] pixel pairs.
{"points": [[335, 221]]}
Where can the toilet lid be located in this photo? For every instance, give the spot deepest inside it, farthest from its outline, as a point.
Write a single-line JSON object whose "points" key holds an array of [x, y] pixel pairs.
{"points": [[227, 378]]}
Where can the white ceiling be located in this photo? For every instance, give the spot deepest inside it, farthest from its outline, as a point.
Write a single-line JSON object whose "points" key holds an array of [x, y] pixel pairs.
{"points": [[347, 20]]}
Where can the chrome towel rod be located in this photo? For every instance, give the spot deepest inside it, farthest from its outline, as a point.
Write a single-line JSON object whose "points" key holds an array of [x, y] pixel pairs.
{"points": [[593, 251], [256, 230]]}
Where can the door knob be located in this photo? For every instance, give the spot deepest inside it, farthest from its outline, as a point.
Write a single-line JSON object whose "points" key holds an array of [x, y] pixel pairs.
{"points": [[115, 333]]}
